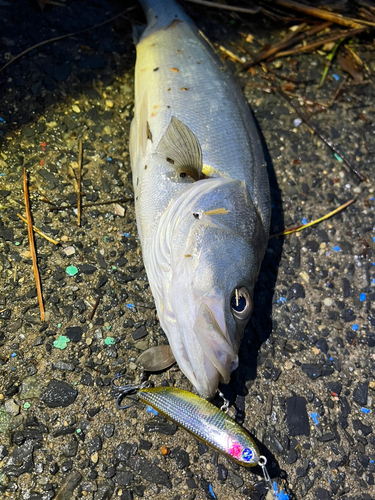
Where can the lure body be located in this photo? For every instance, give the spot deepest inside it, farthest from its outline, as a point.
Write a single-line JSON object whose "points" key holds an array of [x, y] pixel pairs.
{"points": [[205, 421]]}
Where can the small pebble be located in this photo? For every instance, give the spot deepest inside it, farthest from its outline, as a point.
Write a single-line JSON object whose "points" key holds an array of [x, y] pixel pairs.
{"points": [[69, 251]]}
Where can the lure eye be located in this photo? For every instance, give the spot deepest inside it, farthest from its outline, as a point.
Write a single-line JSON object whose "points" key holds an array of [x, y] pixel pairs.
{"points": [[247, 454], [240, 303]]}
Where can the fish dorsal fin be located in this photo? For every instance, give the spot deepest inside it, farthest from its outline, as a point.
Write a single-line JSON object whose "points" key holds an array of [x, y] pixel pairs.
{"points": [[180, 149]]}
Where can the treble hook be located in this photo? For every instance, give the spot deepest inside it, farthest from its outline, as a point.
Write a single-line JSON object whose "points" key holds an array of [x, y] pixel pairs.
{"points": [[127, 389]]}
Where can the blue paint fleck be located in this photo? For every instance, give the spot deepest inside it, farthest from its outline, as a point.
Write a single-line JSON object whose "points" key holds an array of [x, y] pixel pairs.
{"points": [[331, 358], [336, 77], [337, 249], [314, 416], [149, 409], [373, 281], [2, 120], [365, 410], [211, 491], [2, 175], [109, 158], [355, 327], [13, 355], [282, 299], [127, 235], [130, 306], [371, 461], [304, 221], [279, 495], [362, 297]]}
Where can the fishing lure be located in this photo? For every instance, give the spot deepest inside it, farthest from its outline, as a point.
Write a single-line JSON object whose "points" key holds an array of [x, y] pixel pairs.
{"points": [[202, 419]]}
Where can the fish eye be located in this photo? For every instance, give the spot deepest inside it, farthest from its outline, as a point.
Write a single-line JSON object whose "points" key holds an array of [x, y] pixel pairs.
{"points": [[240, 303], [247, 454]]}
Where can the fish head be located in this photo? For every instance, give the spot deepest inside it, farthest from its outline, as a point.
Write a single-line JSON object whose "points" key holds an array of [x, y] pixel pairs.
{"points": [[214, 243]]}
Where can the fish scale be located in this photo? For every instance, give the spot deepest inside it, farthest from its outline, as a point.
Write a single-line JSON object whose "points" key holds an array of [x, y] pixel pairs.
{"points": [[204, 420]]}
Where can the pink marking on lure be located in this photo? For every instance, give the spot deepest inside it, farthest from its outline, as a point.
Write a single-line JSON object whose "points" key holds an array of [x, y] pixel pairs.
{"points": [[235, 450]]}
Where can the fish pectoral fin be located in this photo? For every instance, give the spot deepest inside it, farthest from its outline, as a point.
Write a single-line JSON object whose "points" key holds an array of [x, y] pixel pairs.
{"points": [[214, 344], [179, 148]]}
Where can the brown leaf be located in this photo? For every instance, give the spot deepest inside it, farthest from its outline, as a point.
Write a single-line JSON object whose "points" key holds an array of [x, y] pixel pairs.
{"points": [[348, 64]]}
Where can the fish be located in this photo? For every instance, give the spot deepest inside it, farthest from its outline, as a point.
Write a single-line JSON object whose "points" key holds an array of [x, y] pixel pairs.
{"points": [[201, 192]]}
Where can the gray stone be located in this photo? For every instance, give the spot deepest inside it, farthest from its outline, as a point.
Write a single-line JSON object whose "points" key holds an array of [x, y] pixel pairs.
{"points": [[104, 492], [11, 407], [71, 447], [21, 460], [124, 478], [59, 393], [236, 481], [68, 485], [30, 388]]}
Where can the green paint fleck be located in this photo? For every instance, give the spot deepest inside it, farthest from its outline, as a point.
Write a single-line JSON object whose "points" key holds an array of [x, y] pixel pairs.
{"points": [[109, 340], [26, 406], [114, 267], [78, 431], [338, 158], [108, 327], [61, 342], [58, 325], [17, 243], [105, 238], [71, 270]]}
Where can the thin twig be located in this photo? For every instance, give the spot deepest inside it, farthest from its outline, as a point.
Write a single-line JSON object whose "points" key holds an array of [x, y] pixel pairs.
{"points": [[288, 40], [230, 54], [57, 38], [79, 198], [226, 7], [93, 204], [321, 136], [39, 231], [32, 245], [304, 226], [91, 315], [316, 45], [320, 13]]}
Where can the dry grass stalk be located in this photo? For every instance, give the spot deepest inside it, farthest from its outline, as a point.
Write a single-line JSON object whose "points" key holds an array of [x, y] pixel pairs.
{"points": [[39, 231], [32, 245], [79, 197]]}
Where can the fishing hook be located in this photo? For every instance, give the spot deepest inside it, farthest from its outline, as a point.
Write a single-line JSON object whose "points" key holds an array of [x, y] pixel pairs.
{"points": [[127, 389]]}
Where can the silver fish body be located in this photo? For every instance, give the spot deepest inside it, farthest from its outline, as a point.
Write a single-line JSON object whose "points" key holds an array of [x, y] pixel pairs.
{"points": [[201, 194]]}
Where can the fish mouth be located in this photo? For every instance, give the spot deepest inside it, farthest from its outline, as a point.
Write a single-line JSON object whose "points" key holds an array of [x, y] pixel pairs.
{"points": [[211, 357]]}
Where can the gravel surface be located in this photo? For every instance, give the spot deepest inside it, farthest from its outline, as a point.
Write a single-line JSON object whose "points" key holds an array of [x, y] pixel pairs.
{"points": [[304, 387]]}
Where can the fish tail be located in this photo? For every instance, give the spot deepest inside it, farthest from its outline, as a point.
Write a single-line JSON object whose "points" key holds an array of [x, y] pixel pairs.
{"points": [[165, 11]]}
